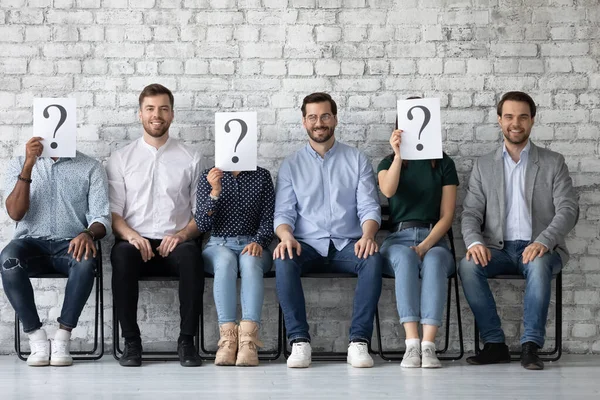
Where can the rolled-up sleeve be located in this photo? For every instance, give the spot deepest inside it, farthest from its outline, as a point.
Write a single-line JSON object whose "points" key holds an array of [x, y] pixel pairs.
{"points": [[116, 184], [367, 198], [285, 198], [98, 203]]}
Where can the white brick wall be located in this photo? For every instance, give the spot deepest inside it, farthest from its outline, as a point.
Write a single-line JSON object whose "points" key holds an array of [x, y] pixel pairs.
{"points": [[267, 55]]}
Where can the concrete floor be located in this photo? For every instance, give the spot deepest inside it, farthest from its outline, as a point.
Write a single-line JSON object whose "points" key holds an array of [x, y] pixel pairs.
{"points": [[573, 377]]}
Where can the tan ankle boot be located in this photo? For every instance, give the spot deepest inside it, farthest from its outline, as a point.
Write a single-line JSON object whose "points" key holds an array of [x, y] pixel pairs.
{"points": [[248, 346], [228, 344]]}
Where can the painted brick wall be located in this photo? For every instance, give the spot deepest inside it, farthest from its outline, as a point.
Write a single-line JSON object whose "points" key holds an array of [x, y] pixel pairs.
{"points": [[266, 55]]}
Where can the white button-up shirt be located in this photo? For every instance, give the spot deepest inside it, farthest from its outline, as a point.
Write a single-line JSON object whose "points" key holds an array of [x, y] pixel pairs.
{"points": [[154, 190], [517, 225]]}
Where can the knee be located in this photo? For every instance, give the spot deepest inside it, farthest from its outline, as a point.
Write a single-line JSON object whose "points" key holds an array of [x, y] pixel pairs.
{"points": [[468, 269], [83, 268], [286, 269], [400, 257], [438, 260], [252, 266], [11, 259], [372, 266], [221, 261], [539, 269], [122, 254]]}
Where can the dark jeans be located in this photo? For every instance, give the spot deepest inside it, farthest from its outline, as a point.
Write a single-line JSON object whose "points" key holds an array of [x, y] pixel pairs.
{"points": [[184, 262], [538, 275], [29, 257], [366, 294]]}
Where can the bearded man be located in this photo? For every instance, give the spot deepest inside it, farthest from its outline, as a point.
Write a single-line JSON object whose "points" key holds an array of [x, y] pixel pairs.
{"points": [[326, 215]]}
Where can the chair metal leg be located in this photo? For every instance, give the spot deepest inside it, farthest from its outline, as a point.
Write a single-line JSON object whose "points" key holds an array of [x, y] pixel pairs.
{"points": [[396, 355], [556, 351]]}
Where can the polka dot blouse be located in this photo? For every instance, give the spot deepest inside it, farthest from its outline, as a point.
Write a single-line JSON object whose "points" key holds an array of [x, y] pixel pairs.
{"points": [[244, 208]]}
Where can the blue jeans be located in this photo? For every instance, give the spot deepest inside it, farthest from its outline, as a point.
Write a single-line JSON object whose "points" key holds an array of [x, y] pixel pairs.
{"points": [[538, 276], [418, 301], [222, 258], [366, 295], [24, 258]]}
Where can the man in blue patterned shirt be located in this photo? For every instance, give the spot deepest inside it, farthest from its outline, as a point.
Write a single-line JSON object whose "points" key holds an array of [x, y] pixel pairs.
{"points": [[327, 214], [60, 206]]}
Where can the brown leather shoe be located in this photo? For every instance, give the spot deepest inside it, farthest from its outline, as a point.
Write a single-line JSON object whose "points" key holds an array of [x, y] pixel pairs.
{"points": [[228, 344], [248, 344]]}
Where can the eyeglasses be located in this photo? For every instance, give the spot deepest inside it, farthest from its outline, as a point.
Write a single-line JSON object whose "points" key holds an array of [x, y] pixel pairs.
{"points": [[314, 118]]}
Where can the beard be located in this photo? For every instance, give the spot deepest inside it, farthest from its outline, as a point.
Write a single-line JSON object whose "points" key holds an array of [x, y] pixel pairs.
{"points": [[156, 132], [325, 133], [516, 140]]}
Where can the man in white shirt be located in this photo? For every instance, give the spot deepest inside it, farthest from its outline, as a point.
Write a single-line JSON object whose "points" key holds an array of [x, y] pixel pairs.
{"points": [[152, 187], [520, 206]]}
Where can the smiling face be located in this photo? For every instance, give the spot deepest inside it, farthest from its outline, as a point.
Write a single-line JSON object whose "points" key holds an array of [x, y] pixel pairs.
{"points": [[319, 121], [156, 115], [516, 122]]}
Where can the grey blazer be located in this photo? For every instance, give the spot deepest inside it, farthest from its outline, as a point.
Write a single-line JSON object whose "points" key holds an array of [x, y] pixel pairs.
{"points": [[551, 200]]}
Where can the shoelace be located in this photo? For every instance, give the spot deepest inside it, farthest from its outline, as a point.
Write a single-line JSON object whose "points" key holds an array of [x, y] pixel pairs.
{"points": [[38, 347], [413, 352], [362, 348], [300, 349], [59, 346], [133, 350], [428, 352], [228, 339]]}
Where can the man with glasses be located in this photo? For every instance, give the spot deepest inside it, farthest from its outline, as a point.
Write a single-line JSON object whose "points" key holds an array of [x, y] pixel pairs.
{"points": [[326, 214]]}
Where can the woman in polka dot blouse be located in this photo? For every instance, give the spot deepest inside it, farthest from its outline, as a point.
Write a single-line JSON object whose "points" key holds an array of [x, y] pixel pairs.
{"points": [[237, 207]]}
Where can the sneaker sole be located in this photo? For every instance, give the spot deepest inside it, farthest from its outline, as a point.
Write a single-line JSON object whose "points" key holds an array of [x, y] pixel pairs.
{"points": [[61, 363], [431, 366], [38, 363], [299, 365], [410, 366], [490, 363]]}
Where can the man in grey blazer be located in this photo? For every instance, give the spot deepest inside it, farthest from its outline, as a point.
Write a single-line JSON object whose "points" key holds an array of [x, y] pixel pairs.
{"points": [[520, 206]]}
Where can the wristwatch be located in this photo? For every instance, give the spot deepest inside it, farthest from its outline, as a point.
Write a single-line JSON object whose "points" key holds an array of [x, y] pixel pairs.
{"points": [[213, 197]]}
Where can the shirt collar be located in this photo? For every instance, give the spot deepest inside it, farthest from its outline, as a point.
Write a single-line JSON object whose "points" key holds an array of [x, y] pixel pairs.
{"points": [[153, 149], [524, 152], [313, 152]]}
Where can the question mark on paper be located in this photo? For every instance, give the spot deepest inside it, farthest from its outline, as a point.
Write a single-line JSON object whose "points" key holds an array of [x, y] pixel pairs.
{"points": [[426, 118], [63, 117], [244, 127]]}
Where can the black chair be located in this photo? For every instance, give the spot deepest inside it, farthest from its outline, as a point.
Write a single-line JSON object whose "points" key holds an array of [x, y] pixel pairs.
{"points": [[396, 355], [148, 355], [97, 350], [263, 355], [556, 351], [321, 355]]}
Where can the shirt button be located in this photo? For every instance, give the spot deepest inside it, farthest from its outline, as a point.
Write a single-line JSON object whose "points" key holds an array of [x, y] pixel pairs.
{"points": [[500, 242]]}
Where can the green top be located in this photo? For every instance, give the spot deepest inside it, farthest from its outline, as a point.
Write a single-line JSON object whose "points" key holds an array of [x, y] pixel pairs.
{"points": [[419, 192]]}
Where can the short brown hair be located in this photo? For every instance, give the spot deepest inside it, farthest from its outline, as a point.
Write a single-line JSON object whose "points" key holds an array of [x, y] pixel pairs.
{"points": [[156, 89], [318, 97], [517, 96]]}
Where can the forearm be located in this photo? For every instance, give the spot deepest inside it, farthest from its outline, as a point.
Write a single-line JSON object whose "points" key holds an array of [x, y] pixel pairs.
{"points": [[121, 229], [190, 231], [98, 230], [284, 232], [17, 202], [389, 179], [370, 228], [438, 231]]}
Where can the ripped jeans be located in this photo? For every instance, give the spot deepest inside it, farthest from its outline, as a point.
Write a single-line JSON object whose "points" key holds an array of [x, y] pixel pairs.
{"points": [[28, 257]]}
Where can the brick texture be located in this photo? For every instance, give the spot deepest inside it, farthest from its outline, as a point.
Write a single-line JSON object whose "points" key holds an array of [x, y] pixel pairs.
{"points": [[266, 56]]}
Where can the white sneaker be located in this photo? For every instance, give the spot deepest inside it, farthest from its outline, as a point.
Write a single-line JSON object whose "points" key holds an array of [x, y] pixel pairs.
{"points": [[301, 355], [61, 356], [430, 359], [358, 355], [412, 357], [40, 349]]}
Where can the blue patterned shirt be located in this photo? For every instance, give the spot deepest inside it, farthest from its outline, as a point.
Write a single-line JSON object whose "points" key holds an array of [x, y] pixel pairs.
{"points": [[326, 198], [245, 206], [66, 197]]}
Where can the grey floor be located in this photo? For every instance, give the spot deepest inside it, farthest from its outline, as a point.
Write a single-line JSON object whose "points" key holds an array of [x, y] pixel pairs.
{"points": [[573, 377]]}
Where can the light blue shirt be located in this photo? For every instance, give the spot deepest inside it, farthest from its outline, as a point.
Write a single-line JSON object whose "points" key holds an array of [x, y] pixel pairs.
{"points": [[66, 197], [326, 199], [517, 225]]}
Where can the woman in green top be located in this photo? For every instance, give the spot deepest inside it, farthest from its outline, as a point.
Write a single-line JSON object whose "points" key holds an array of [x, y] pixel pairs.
{"points": [[422, 197]]}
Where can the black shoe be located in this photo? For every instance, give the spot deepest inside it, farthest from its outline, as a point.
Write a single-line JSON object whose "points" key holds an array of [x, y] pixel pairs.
{"points": [[188, 356], [529, 356], [492, 353], [132, 355]]}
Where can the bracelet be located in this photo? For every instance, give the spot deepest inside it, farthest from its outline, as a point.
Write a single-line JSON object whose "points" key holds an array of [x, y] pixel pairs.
{"points": [[214, 197], [24, 179], [89, 232]]}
